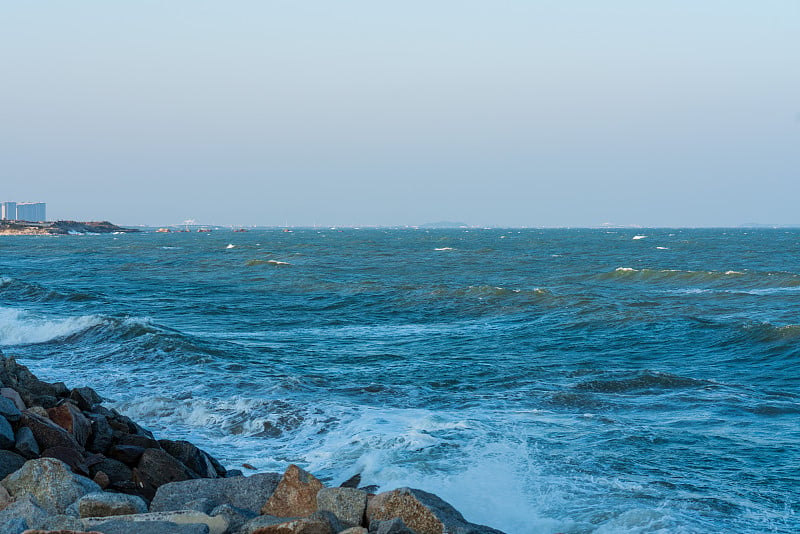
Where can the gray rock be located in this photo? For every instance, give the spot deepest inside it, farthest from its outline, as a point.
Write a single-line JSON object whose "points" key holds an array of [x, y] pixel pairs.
{"points": [[156, 468], [60, 522], [9, 410], [102, 436], [423, 512], [233, 473], [10, 462], [116, 470], [51, 482], [352, 482], [24, 508], [390, 526], [347, 504], [14, 397], [355, 530], [248, 493], [116, 526], [104, 504], [189, 455], [25, 443], [12, 525], [236, 517], [85, 398], [127, 454], [201, 505], [214, 525], [6, 434]]}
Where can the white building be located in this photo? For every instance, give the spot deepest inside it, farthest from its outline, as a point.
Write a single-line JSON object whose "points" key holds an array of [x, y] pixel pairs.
{"points": [[8, 211], [31, 211]]}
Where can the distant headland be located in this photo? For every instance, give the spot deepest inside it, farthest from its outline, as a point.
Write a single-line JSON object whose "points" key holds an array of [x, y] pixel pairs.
{"points": [[15, 227]]}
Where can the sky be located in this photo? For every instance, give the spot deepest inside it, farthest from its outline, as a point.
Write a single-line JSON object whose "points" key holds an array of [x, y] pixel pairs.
{"points": [[491, 113]]}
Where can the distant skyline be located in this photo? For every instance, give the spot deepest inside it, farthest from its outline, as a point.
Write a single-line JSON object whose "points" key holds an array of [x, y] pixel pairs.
{"points": [[506, 113]]}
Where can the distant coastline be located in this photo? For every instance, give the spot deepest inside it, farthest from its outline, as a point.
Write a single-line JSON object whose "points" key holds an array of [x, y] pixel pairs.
{"points": [[60, 228]]}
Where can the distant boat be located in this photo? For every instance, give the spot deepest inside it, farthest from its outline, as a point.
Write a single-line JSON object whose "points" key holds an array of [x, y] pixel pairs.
{"points": [[240, 230], [203, 229], [163, 230]]}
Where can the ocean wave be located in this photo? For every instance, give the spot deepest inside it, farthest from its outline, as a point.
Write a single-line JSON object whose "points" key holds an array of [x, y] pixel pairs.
{"points": [[641, 382], [16, 290], [18, 327], [749, 279], [275, 263]]}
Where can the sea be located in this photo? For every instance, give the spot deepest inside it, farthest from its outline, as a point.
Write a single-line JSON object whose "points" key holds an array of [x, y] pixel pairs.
{"points": [[539, 380]]}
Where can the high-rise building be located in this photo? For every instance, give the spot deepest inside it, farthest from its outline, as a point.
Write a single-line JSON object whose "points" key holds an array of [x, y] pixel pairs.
{"points": [[31, 211], [8, 211]]}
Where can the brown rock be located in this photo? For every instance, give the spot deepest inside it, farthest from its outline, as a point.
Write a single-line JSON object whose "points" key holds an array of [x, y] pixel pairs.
{"points": [[47, 433], [101, 479], [422, 512], [296, 494], [70, 418]]}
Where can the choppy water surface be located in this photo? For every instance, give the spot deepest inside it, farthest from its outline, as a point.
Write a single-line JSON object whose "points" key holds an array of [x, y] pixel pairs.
{"points": [[540, 380]]}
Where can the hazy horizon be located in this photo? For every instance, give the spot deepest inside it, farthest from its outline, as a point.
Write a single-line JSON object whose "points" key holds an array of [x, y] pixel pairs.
{"points": [[509, 114]]}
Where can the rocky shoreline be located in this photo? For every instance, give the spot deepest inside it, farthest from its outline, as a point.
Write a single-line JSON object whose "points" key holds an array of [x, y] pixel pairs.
{"points": [[70, 464], [60, 228]]}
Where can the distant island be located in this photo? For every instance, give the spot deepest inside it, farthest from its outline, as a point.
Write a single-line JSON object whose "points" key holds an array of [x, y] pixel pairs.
{"points": [[60, 228]]}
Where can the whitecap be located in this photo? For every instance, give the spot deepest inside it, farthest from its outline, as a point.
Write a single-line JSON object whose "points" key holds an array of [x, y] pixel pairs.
{"points": [[230, 245], [444, 248], [22, 328], [639, 236]]}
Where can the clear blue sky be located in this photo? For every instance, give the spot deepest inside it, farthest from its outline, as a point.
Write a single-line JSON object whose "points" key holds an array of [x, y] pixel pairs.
{"points": [[518, 113]]}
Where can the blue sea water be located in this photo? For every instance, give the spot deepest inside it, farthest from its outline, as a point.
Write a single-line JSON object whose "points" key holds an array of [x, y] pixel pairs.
{"points": [[541, 381]]}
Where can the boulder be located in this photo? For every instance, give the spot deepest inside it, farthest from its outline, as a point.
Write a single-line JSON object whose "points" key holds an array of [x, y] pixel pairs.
{"points": [[51, 482], [10, 462], [114, 469], [138, 440], [156, 468], [390, 526], [355, 530], [70, 418], [85, 398], [9, 410], [117, 526], [347, 504], [12, 525], [24, 508], [295, 496], [47, 433], [13, 396], [71, 457], [352, 482], [127, 454], [57, 524], [247, 493], [192, 457], [261, 522], [422, 512], [316, 523], [5, 498], [101, 479], [102, 435], [25, 443], [138, 522], [104, 504], [6, 434], [236, 517]]}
